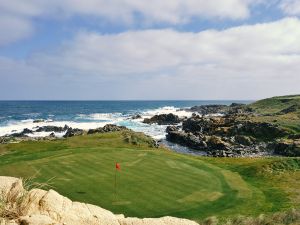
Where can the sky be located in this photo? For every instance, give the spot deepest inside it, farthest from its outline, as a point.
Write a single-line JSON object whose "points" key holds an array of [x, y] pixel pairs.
{"points": [[149, 50]]}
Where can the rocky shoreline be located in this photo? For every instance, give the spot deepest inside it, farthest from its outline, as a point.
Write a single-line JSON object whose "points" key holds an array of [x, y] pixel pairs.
{"points": [[217, 130], [66, 130], [229, 131]]}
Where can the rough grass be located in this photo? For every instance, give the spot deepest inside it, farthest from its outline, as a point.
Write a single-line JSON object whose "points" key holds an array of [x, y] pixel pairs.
{"points": [[290, 217], [153, 182], [275, 104], [272, 110]]}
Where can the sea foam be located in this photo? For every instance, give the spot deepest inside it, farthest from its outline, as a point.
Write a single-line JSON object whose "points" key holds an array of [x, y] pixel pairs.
{"points": [[95, 120]]}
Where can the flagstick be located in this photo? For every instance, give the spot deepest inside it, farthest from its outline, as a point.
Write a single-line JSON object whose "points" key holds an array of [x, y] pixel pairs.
{"points": [[115, 183]]}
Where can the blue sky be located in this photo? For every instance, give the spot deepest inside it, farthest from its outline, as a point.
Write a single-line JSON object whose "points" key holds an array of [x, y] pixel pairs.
{"points": [[136, 49]]}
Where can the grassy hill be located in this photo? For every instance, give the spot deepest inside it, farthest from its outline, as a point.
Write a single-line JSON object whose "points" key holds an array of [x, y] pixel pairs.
{"points": [[155, 182], [276, 105], [282, 110]]}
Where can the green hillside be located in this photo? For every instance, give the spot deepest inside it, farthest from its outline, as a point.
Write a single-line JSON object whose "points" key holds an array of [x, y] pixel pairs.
{"points": [[283, 110], [277, 105], [154, 182]]}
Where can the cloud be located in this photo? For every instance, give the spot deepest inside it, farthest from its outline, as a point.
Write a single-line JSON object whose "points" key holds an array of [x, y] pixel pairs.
{"points": [[13, 29], [18, 16], [290, 7], [153, 51], [251, 61]]}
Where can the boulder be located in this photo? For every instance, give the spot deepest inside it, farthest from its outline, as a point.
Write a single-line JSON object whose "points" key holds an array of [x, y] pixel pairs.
{"points": [[259, 130], [107, 128], [21, 134], [52, 129], [73, 132], [38, 121], [198, 125], [216, 143], [163, 119], [135, 117], [210, 109], [186, 139], [286, 148], [243, 140]]}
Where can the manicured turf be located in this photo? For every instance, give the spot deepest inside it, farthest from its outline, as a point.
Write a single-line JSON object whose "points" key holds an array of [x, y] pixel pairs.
{"points": [[152, 182]]}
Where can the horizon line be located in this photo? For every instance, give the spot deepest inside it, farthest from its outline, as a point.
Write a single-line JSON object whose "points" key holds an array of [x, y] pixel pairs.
{"points": [[39, 100]]}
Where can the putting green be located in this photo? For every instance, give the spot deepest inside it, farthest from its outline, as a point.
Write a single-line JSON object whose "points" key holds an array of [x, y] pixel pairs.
{"points": [[151, 183]]}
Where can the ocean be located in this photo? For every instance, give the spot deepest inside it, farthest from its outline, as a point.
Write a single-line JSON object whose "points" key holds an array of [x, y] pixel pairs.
{"points": [[17, 115]]}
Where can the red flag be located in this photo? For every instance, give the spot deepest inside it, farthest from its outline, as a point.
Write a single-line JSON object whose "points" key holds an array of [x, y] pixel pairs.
{"points": [[118, 167]]}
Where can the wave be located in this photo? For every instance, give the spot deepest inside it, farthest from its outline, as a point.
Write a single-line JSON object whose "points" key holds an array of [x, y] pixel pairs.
{"points": [[95, 120], [100, 116], [166, 110]]}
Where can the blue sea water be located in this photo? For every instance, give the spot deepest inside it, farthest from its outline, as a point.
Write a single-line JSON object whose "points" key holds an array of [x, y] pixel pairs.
{"points": [[17, 115]]}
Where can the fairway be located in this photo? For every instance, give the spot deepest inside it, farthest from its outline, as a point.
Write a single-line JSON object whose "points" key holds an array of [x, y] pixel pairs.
{"points": [[151, 183]]}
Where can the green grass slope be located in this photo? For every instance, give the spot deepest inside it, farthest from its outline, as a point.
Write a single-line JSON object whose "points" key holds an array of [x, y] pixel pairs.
{"points": [[154, 182], [276, 104], [283, 111]]}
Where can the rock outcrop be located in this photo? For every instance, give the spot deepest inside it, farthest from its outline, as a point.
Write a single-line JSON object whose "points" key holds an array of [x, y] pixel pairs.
{"points": [[107, 128], [40, 207], [163, 119], [234, 108], [286, 147], [229, 135], [73, 132], [137, 116], [52, 129]]}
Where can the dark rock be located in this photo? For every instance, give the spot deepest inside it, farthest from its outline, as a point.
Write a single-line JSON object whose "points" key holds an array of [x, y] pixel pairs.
{"points": [[210, 109], [163, 119], [216, 143], [52, 129], [138, 116], [244, 140], [294, 136], [38, 121], [285, 148], [197, 125], [107, 128], [27, 131], [21, 134], [186, 139], [237, 105], [73, 132], [234, 108], [258, 130], [172, 129]]}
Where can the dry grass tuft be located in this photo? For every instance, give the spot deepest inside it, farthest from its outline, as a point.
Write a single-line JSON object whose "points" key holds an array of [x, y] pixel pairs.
{"points": [[291, 217], [12, 203]]}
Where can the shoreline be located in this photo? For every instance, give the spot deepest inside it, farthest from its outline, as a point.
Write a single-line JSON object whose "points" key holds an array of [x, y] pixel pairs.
{"points": [[235, 130]]}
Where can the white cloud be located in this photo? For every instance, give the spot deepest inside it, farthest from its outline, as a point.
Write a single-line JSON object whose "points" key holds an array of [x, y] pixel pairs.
{"points": [[13, 28], [135, 52], [19, 15], [290, 7], [251, 61]]}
